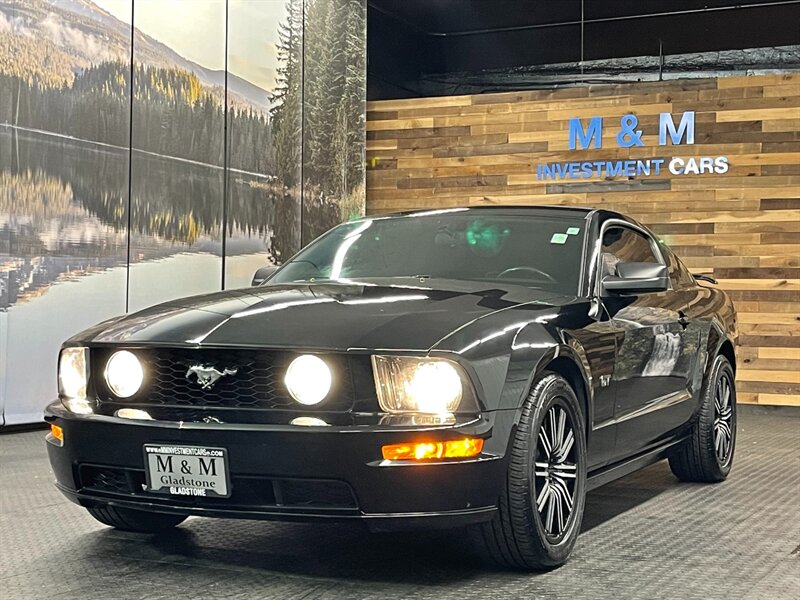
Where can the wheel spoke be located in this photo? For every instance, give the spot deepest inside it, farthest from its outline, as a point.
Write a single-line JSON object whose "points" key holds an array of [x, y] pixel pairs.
{"points": [[550, 510], [560, 486], [545, 442], [560, 513], [544, 494], [553, 429], [722, 431], [564, 471], [566, 446], [562, 423]]}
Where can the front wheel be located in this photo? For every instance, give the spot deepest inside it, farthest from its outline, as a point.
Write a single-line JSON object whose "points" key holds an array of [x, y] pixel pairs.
{"points": [[139, 521], [708, 454], [541, 507]]}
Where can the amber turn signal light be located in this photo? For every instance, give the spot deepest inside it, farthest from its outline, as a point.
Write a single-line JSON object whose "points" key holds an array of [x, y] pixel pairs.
{"points": [[465, 448], [57, 432]]}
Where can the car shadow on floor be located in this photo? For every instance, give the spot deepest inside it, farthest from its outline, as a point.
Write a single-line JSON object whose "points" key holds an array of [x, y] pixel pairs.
{"points": [[618, 497], [346, 552]]}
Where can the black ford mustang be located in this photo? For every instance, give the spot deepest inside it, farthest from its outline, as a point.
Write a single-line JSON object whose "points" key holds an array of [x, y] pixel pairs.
{"points": [[483, 367]]}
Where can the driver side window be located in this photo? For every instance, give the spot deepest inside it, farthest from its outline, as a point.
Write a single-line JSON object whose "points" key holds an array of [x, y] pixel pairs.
{"points": [[621, 244]]}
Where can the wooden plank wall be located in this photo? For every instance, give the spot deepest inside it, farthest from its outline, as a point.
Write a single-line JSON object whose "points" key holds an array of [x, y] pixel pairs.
{"points": [[744, 226]]}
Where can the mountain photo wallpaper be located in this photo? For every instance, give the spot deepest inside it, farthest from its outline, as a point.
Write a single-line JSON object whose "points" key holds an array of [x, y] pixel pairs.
{"points": [[153, 149]]}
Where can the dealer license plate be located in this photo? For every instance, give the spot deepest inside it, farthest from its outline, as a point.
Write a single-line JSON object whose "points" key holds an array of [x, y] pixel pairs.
{"points": [[187, 470]]}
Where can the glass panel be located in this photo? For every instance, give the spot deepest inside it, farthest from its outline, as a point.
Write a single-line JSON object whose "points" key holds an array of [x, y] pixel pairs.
{"points": [[265, 40], [334, 111], [177, 174], [64, 114], [621, 244], [3, 349], [531, 251]]}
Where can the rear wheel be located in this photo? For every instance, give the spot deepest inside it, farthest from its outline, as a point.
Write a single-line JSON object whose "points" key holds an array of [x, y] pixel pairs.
{"points": [[541, 507], [708, 455], [139, 521]]}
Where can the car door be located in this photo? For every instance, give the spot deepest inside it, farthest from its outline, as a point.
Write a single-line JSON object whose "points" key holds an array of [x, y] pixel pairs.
{"points": [[652, 367], [598, 342]]}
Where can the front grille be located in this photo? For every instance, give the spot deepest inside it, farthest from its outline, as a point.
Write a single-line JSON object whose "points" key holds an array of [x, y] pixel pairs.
{"points": [[252, 492], [256, 385]]}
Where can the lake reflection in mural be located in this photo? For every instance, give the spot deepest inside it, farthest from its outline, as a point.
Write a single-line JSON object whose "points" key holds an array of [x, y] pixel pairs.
{"points": [[63, 212]]}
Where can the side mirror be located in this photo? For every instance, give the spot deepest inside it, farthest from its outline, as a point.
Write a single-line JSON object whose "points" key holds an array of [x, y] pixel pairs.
{"points": [[635, 277], [263, 274]]}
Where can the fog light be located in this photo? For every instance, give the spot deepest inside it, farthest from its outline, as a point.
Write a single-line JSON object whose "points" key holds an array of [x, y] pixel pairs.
{"points": [[124, 374], [464, 448], [57, 433], [308, 379], [134, 414], [308, 422]]}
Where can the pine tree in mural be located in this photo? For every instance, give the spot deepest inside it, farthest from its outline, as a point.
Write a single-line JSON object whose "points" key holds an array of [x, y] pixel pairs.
{"points": [[334, 95], [354, 98], [287, 114], [322, 65]]}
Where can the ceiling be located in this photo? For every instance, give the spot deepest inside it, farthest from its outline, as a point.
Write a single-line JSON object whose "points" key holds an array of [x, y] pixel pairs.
{"points": [[408, 38]]}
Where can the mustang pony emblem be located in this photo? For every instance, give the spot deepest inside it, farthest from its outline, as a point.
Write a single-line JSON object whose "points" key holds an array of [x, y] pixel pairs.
{"points": [[208, 376]]}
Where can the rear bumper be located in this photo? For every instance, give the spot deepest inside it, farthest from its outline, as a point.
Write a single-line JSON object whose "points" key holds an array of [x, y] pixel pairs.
{"points": [[285, 472]]}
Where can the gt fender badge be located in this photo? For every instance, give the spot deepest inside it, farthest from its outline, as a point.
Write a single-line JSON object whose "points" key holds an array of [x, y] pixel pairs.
{"points": [[208, 376]]}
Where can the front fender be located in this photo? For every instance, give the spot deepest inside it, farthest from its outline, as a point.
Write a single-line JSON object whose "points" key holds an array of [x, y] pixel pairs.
{"points": [[507, 354]]}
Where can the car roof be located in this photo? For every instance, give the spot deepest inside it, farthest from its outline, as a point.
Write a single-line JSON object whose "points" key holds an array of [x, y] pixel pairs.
{"points": [[517, 210]]}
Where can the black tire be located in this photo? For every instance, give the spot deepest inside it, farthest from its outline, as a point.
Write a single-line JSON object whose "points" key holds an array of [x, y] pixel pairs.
{"points": [[518, 536], [139, 521], [700, 458]]}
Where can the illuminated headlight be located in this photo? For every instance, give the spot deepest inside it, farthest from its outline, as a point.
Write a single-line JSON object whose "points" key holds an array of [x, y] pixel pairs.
{"points": [[308, 379], [418, 385], [124, 374], [73, 378]]}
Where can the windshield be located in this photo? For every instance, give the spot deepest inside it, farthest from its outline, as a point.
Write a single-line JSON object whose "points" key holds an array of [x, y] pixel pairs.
{"points": [[534, 251]]}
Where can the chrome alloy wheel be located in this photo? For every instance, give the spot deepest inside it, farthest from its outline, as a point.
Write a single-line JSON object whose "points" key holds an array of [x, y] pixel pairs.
{"points": [[723, 419], [555, 471]]}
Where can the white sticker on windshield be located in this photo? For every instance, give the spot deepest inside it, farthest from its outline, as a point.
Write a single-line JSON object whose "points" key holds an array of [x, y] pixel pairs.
{"points": [[573, 231], [559, 238]]}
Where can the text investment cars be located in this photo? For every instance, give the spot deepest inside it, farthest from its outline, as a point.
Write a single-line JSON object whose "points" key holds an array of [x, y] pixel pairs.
{"points": [[479, 367]]}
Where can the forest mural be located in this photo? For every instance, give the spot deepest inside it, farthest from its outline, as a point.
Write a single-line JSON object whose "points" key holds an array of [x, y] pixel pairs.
{"points": [[327, 67], [177, 116], [140, 161]]}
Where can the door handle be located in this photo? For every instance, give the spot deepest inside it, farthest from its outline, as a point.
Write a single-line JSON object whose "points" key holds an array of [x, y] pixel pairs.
{"points": [[683, 319]]}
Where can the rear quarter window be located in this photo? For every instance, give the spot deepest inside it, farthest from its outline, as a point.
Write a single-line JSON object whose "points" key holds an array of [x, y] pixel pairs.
{"points": [[680, 276]]}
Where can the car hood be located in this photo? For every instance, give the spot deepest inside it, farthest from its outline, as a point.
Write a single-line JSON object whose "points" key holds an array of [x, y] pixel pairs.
{"points": [[320, 316]]}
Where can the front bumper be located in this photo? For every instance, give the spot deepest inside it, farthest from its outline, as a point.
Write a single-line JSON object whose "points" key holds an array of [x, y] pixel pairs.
{"points": [[290, 472]]}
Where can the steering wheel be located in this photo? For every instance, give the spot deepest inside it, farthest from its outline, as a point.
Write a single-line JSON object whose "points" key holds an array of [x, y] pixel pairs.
{"points": [[545, 276]]}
